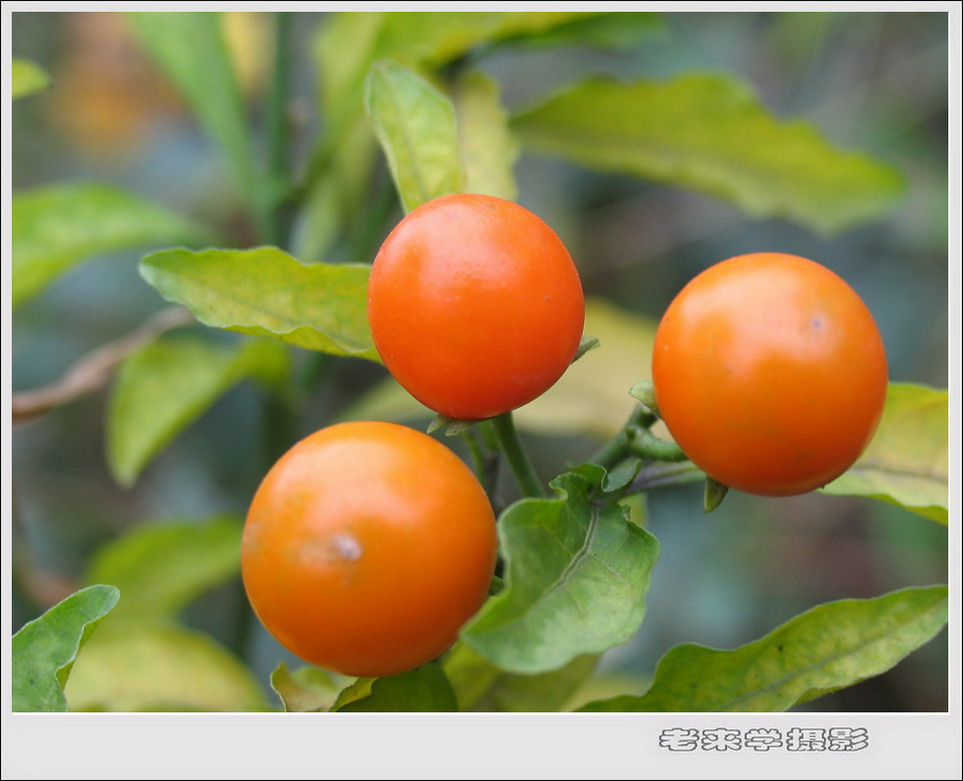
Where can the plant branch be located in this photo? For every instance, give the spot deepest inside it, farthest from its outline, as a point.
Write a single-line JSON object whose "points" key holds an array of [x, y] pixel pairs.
{"points": [[94, 369]]}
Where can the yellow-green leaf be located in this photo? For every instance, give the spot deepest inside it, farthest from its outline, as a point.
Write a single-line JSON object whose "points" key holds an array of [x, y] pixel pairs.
{"points": [[828, 647], [710, 133], [160, 567], [168, 384], [26, 78], [488, 148], [157, 667], [305, 689], [481, 686], [907, 462], [56, 227], [266, 292], [415, 124]]}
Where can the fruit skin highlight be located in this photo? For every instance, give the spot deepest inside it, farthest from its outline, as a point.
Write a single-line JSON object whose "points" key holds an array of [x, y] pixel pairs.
{"points": [[475, 305], [770, 373], [366, 548]]}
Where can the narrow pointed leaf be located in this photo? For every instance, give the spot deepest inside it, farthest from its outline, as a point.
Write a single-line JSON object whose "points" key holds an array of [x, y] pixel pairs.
{"points": [[190, 47], [161, 567], [488, 148], [54, 228], [266, 292], [26, 78], [481, 686], [576, 579], [168, 384], [709, 133], [415, 124], [829, 647], [907, 463], [44, 650], [423, 689]]}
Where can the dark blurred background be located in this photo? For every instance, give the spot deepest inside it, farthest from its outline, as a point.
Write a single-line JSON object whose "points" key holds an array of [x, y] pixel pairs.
{"points": [[876, 82]]}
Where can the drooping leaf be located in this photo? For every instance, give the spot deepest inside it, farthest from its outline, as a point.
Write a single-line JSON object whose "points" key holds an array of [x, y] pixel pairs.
{"points": [[43, 651], [576, 579], [304, 689], [425, 688], [415, 124], [160, 567], [481, 686], [26, 78], [158, 667], [168, 384], [826, 648], [266, 292], [907, 463], [56, 227], [488, 149], [191, 49], [708, 132]]}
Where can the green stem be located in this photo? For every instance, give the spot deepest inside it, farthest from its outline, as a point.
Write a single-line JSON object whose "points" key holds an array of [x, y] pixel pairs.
{"points": [[278, 127], [644, 444], [618, 447], [511, 446]]}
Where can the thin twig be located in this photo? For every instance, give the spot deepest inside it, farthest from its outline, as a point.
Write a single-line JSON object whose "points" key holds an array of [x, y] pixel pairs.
{"points": [[93, 370]]}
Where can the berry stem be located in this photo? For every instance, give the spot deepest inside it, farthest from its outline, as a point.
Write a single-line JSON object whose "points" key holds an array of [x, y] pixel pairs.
{"points": [[518, 459]]}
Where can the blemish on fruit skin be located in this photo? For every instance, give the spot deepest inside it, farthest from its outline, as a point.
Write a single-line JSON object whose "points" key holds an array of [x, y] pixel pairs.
{"points": [[344, 547]]}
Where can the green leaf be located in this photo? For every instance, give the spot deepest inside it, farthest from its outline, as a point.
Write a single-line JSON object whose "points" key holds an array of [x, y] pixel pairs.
{"points": [[26, 78], [191, 49], [576, 578], [828, 647], [709, 133], [168, 384], [56, 227], [305, 689], [423, 689], [488, 149], [160, 567], [44, 650], [266, 292], [907, 463], [416, 127], [618, 30], [481, 686], [354, 691], [157, 667]]}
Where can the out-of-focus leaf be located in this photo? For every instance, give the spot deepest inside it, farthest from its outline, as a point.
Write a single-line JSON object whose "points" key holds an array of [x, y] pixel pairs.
{"points": [[43, 652], [167, 385], [481, 686], [423, 689], [576, 577], [592, 397], [416, 127], [488, 149], [266, 292], [190, 47], [828, 647], [56, 227], [161, 567], [614, 30], [711, 134], [907, 463], [157, 667], [353, 691], [26, 78], [304, 689]]}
